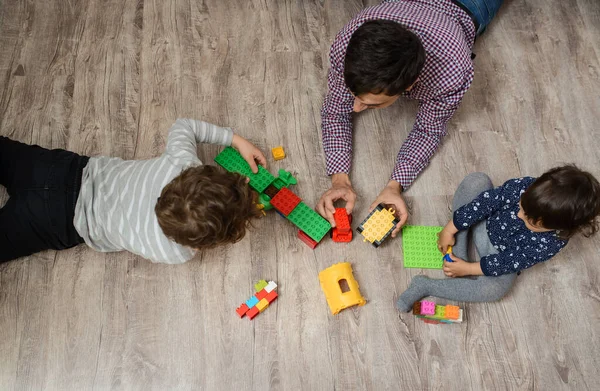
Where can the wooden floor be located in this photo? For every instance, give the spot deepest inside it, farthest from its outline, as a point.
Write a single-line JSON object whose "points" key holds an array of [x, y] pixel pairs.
{"points": [[109, 77]]}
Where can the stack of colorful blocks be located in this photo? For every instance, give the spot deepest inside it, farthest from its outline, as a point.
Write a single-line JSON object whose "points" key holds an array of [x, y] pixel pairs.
{"points": [[434, 314], [265, 295]]}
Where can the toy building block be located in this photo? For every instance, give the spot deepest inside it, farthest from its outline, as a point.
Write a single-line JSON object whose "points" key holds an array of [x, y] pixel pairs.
{"points": [[251, 302], [271, 286], [278, 153], [417, 308], [261, 294], [232, 161], [337, 298], [307, 239], [342, 221], [285, 201], [265, 201], [261, 305], [284, 179], [427, 307], [260, 285], [342, 232], [378, 225], [271, 191], [252, 313], [431, 321], [447, 255], [419, 244], [271, 296], [440, 312], [309, 221], [452, 312], [241, 310]]}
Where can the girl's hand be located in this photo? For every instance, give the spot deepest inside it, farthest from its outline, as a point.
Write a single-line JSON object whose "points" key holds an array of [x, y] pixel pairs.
{"points": [[460, 268], [445, 239], [249, 152]]}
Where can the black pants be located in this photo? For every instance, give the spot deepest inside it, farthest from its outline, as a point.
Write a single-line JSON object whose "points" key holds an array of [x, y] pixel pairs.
{"points": [[43, 186]]}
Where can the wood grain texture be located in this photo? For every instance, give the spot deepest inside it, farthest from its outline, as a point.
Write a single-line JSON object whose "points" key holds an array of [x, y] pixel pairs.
{"points": [[109, 77]]}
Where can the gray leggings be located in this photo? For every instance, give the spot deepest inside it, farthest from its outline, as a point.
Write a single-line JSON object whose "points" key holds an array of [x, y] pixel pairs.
{"points": [[479, 288]]}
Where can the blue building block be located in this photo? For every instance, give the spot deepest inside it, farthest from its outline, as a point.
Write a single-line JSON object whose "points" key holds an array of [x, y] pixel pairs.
{"points": [[251, 302]]}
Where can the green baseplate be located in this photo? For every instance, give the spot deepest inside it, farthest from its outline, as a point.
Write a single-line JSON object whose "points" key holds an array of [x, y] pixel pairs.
{"points": [[420, 247]]}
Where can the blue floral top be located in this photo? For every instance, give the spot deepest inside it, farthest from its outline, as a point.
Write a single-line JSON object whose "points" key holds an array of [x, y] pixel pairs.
{"points": [[518, 247]]}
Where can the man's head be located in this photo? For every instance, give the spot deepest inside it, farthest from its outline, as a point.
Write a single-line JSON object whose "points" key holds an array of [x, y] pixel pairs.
{"points": [[383, 59], [566, 199], [204, 207]]}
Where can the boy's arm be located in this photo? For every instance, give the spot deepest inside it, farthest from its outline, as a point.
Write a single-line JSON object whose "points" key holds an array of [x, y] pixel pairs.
{"points": [[527, 254], [185, 135]]}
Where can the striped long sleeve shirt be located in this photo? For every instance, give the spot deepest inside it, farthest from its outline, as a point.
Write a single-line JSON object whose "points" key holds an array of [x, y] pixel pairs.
{"points": [[115, 208]]}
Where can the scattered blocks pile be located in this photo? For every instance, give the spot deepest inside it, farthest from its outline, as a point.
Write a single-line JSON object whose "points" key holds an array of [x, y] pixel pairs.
{"points": [[420, 247], [265, 295], [378, 225], [435, 314], [273, 193]]}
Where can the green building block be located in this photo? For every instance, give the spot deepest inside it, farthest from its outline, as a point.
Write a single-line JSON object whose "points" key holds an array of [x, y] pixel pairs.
{"points": [[232, 161], [284, 179], [420, 247], [440, 312], [309, 221], [259, 286], [265, 200]]}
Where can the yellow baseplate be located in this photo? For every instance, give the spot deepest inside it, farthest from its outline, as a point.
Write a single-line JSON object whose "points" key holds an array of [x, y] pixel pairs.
{"points": [[378, 225]]}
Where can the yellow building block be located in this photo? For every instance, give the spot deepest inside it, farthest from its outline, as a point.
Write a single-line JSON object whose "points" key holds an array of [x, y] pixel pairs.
{"points": [[378, 225], [278, 153], [261, 305], [340, 287]]}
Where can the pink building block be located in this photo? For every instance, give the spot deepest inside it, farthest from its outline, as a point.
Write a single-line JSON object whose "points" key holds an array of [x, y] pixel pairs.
{"points": [[427, 307]]}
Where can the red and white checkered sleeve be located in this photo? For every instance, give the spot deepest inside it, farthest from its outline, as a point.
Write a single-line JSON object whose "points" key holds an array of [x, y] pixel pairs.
{"points": [[336, 124], [427, 133]]}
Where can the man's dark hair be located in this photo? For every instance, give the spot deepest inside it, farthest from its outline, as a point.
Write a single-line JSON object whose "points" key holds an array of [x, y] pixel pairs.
{"points": [[566, 199], [205, 206], [382, 57]]}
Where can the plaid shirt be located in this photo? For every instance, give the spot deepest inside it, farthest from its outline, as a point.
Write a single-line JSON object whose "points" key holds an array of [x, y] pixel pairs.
{"points": [[447, 33]]}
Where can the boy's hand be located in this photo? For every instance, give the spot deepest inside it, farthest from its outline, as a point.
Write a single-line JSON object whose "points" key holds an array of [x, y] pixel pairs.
{"points": [[445, 238], [460, 268], [391, 196], [249, 152], [341, 189]]}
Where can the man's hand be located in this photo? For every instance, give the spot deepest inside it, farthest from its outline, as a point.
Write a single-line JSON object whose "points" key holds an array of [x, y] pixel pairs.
{"points": [[341, 189], [446, 237], [460, 268], [391, 196], [249, 152]]}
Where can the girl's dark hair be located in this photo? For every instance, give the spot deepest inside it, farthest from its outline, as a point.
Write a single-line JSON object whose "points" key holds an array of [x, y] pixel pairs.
{"points": [[566, 199], [205, 206], [382, 57]]}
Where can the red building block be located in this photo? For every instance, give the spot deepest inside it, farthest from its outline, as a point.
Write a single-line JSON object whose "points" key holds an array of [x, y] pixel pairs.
{"points": [[342, 220], [341, 237], [252, 312], [261, 294], [285, 201], [431, 321], [271, 296], [242, 310], [307, 239]]}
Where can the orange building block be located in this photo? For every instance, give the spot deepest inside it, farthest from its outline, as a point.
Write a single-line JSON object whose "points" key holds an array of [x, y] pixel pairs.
{"points": [[452, 312]]}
